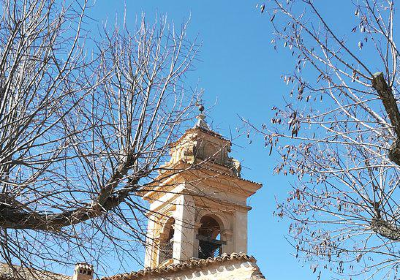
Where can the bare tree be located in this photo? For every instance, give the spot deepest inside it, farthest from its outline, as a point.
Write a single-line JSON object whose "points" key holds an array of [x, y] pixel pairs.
{"points": [[81, 130], [339, 134]]}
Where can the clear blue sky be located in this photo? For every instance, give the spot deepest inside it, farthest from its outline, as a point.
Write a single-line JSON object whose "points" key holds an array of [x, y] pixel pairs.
{"points": [[240, 73]]}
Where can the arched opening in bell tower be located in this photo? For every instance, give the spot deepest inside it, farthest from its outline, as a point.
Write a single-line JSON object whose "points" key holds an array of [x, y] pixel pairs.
{"points": [[209, 236], [167, 241]]}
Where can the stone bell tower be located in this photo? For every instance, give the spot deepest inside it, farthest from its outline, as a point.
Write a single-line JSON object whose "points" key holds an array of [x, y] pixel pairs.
{"points": [[198, 203]]}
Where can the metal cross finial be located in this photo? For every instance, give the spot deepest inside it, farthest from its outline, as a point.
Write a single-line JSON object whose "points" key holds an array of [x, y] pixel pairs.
{"points": [[199, 104], [201, 117]]}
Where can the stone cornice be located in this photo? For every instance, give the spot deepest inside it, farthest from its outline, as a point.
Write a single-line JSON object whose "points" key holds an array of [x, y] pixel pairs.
{"points": [[167, 180]]}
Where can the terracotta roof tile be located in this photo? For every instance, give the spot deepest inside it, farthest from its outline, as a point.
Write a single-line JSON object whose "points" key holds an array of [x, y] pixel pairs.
{"points": [[186, 265], [207, 131]]}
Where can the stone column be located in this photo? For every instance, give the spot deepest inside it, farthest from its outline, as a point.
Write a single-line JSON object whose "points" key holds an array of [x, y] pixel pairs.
{"points": [[240, 231], [227, 237], [184, 228], [195, 240], [148, 258]]}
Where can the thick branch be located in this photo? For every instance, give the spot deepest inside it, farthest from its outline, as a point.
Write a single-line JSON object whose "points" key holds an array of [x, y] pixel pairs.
{"points": [[16, 218], [385, 229], [389, 102]]}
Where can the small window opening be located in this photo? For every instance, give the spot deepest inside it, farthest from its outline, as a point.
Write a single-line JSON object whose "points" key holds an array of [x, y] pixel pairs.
{"points": [[210, 243], [167, 242]]}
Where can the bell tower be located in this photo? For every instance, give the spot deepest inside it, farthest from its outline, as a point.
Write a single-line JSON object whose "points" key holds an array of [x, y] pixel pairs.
{"points": [[198, 203]]}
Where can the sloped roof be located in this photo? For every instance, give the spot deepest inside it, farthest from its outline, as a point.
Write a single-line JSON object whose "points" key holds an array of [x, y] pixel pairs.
{"points": [[206, 131], [20, 273], [183, 266]]}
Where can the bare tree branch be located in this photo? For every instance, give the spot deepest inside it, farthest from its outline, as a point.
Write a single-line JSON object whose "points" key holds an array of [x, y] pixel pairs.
{"points": [[339, 135], [81, 129]]}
